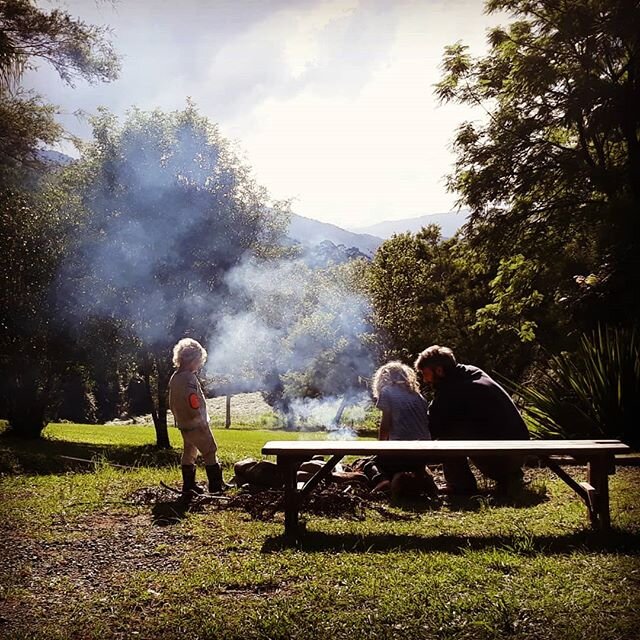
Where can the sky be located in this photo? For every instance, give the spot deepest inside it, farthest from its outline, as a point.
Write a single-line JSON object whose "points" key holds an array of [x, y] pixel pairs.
{"points": [[330, 101]]}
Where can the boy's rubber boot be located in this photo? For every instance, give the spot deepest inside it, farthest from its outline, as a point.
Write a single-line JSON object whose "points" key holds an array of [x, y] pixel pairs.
{"points": [[189, 486], [214, 475]]}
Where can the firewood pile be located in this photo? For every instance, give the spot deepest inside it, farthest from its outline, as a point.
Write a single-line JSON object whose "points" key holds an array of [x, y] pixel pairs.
{"points": [[352, 502]]}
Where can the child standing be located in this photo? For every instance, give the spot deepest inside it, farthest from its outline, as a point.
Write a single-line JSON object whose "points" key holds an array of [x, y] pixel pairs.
{"points": [[187, 403]]}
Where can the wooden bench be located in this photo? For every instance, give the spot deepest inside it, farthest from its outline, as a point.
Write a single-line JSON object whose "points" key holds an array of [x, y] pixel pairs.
{"points": [[598, 455]]}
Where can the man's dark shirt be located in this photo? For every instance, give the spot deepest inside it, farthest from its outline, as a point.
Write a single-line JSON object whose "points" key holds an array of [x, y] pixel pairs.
{"points": [[470, 405]]}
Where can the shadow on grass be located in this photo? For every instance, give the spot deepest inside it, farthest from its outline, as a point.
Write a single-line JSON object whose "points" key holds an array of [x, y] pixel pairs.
{"points": [[524, 498], [614, 541], [48, 457]]}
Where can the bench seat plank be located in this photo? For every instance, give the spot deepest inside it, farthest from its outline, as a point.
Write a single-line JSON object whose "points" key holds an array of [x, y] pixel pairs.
{"points": [[298, 448]]}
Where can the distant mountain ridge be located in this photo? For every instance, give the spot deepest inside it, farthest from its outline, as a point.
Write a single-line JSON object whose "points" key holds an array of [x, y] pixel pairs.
{"points": [[309, 233], [448, 222], [55, 157], [328, 241]]}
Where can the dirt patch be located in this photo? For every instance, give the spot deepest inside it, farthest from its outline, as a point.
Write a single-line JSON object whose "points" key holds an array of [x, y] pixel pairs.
{"points": [[86, 564], [89, 559], [94, 553]]}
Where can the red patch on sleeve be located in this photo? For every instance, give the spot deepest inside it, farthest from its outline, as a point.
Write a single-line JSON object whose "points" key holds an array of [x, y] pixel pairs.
{"points": [[194, 403]]}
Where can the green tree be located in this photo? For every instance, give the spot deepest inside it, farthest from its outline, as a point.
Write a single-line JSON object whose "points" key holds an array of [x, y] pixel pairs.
{"points": [[28, 36], [427, 290], [35, 229], [32, 241], [170, 211], [416, 283], [553, 171], [514, 299]]}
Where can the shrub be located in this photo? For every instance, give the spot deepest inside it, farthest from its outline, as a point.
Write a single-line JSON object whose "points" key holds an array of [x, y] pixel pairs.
{"points": [[591, 393]]}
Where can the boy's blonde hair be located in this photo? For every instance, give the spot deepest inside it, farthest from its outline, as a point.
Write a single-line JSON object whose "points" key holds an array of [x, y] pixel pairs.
{"points": [[188, 351], [394, 372]]}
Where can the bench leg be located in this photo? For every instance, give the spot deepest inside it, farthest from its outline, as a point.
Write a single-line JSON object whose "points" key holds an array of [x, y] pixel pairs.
{"points": [[318, 477], [598, 471], [291, 498]]}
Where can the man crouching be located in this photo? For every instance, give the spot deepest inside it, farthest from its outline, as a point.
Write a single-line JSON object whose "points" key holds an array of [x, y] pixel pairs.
{"points": [[187, 403], [469, 405]]}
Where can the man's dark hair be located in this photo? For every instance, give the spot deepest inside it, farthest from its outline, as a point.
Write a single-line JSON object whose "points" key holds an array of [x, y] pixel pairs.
{"points": [[436, 356]]}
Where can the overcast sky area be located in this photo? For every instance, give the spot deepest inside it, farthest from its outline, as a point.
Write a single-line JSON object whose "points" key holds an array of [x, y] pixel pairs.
{"points": [[330, 101]]}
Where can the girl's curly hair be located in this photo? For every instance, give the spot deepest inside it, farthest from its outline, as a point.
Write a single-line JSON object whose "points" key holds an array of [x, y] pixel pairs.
{"points": [[187, 351], [394, 372]]}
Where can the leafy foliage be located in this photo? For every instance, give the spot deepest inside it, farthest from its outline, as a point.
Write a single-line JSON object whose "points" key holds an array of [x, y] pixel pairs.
{"points": [[514, 298], [33, 240], [593, 392], [415, 282], [75, 49], [554, 171], [25, 124], [426, 290], [35, 225]]}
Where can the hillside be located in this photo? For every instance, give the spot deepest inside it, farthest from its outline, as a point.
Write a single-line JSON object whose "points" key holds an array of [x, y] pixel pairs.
{"points": [[310, 232], [449, 222]]}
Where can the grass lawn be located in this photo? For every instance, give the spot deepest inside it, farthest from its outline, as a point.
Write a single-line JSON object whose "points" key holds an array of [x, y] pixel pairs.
{"points": [[81, 556]]}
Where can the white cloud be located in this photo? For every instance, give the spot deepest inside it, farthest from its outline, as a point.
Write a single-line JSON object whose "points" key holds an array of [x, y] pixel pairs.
{"points": [[332, 100], [302, 48], [382, 153]]}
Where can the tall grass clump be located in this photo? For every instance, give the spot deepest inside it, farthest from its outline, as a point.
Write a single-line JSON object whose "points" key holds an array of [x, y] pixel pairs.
{"points": [[593, 392]]}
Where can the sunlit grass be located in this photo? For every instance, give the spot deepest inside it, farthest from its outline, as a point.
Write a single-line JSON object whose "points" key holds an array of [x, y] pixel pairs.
{"points": [[83, 561]]}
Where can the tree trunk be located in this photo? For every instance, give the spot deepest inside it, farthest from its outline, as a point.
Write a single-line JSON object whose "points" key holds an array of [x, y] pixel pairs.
{"points": [[27, 405], [162, 433], [160, 423], [227, 418], [158, 411]]}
